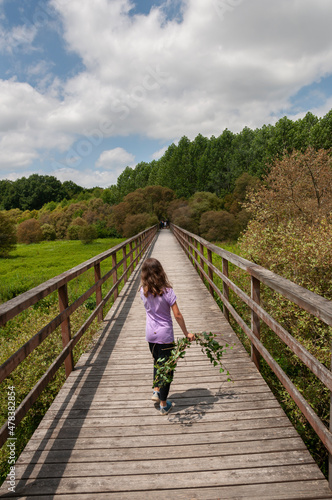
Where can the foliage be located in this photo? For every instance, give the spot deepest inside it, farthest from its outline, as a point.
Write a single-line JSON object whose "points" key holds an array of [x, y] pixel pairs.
{"points": [[29, 231], [7, 235], [219, 225], [209, 346], [291, 234], [134, 224], [152, 202], [48, 232], [299, 186], [87, 234]]}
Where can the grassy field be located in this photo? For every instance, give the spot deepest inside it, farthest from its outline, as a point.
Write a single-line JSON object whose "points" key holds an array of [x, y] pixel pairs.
{"points": [[26, 268], [30, 265]]}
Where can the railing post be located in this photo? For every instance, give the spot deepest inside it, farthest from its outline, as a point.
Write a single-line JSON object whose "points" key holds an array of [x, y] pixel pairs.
{"points": [[140, 246], [99, 296], [201, 261], [255, 321], [190, 250], [194, 252], [225, 288], [124, 254], [209, 252], [131, 256], [65, 328], [115, 275]]}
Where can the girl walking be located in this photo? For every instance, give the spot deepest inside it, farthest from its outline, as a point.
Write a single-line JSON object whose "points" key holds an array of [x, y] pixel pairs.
{"points": [[159, 299]]}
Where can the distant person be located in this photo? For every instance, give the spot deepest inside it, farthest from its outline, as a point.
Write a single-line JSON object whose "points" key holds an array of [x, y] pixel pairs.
{"points": [[161, 224], [158, 299]]}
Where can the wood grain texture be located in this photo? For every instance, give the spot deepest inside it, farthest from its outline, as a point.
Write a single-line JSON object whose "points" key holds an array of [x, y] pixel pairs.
{"points": [[104, 439]]}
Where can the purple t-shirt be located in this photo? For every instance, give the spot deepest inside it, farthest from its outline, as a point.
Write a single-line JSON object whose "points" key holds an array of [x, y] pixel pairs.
{"points": [[159, 324]]}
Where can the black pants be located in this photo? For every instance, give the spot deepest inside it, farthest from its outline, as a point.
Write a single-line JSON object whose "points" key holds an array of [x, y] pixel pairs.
{"points": [[159, 351]]}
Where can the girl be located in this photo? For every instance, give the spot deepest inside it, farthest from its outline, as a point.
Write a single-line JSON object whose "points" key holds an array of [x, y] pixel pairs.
{"points": [[158, 299]]}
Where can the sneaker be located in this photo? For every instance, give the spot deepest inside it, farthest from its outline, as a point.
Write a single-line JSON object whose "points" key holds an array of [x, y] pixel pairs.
{"points": [[156, 396], [166, 409]]}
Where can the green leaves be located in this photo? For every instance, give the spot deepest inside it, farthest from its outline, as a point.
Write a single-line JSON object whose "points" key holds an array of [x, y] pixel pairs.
{"points": [[209, 346]]}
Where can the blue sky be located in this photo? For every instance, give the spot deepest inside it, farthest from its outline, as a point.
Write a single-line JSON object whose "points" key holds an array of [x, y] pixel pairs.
{"points": [[88, 88]]}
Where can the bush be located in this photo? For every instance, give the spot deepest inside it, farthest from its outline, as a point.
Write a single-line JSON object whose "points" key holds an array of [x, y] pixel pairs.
{"points": [[218, 226], [291, 234], [136, 223], [73, 231], [7, 235], [87, 234], [48, 232], [29, 231]]}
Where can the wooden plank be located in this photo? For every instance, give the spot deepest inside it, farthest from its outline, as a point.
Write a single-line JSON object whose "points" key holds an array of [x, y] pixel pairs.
{"points": [[134, 452], [165, 465], [186, 426], [122, 483], [277, 491]]}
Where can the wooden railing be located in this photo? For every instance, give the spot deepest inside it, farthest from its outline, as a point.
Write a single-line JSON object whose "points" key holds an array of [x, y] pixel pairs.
{"points": [[137, 247], [200, 253]]}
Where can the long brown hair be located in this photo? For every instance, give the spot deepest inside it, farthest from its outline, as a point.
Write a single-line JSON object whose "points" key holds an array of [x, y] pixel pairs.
{"points": [[154, 279]]}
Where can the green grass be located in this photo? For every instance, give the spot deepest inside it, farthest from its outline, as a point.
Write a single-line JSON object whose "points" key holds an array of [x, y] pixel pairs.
{"points": [[30, 265]]}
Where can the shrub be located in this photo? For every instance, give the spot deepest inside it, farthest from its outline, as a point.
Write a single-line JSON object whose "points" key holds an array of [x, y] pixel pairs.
{"points": [[291, 234], [7, 235], [29, 231], [218, 226], [73, 231], [87, 234], [136, 223], [48, 232]]}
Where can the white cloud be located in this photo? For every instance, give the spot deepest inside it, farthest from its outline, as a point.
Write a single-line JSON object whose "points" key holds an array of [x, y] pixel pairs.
{"points": [[115, 158], [18, 36], [158, 154], [87, 178], [148, 76]]}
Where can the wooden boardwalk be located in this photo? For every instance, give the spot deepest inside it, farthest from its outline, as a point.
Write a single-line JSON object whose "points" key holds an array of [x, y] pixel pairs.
{"points": [[103, 438]]}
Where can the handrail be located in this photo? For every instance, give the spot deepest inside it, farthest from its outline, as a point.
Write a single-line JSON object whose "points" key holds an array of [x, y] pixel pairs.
{"points": [[320, 307], [138, 245]]}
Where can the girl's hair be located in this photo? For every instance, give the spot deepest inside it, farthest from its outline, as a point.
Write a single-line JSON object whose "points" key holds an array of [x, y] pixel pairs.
{"points": [[154, 279]]}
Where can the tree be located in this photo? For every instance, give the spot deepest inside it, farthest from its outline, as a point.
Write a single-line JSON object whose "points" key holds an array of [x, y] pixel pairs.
{"points": [[218, 226], [48, 232], [134, 224], [299, 186], [29, 231], [291, 229], [37, 190], [7, 235], [87, 234]]}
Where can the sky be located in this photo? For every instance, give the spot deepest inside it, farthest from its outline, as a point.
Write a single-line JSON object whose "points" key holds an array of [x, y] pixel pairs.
{"points": [[90, 87]]}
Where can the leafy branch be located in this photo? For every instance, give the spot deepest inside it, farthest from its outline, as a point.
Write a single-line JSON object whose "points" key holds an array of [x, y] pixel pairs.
{"points": [[209, 346]]}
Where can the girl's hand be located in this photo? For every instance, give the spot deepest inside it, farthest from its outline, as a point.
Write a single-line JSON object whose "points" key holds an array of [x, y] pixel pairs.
{"points": [[190, 336]]}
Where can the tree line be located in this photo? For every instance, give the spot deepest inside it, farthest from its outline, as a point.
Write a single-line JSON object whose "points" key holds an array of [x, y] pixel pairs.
{"points": [[214, 164], [210, 165]]}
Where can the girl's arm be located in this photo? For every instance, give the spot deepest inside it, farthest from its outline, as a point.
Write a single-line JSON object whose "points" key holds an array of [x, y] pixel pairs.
{"points": [[179, 318]]}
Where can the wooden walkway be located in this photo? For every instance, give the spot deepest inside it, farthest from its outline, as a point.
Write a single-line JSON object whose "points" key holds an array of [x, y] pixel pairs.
{"points": [[103, 438]]}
